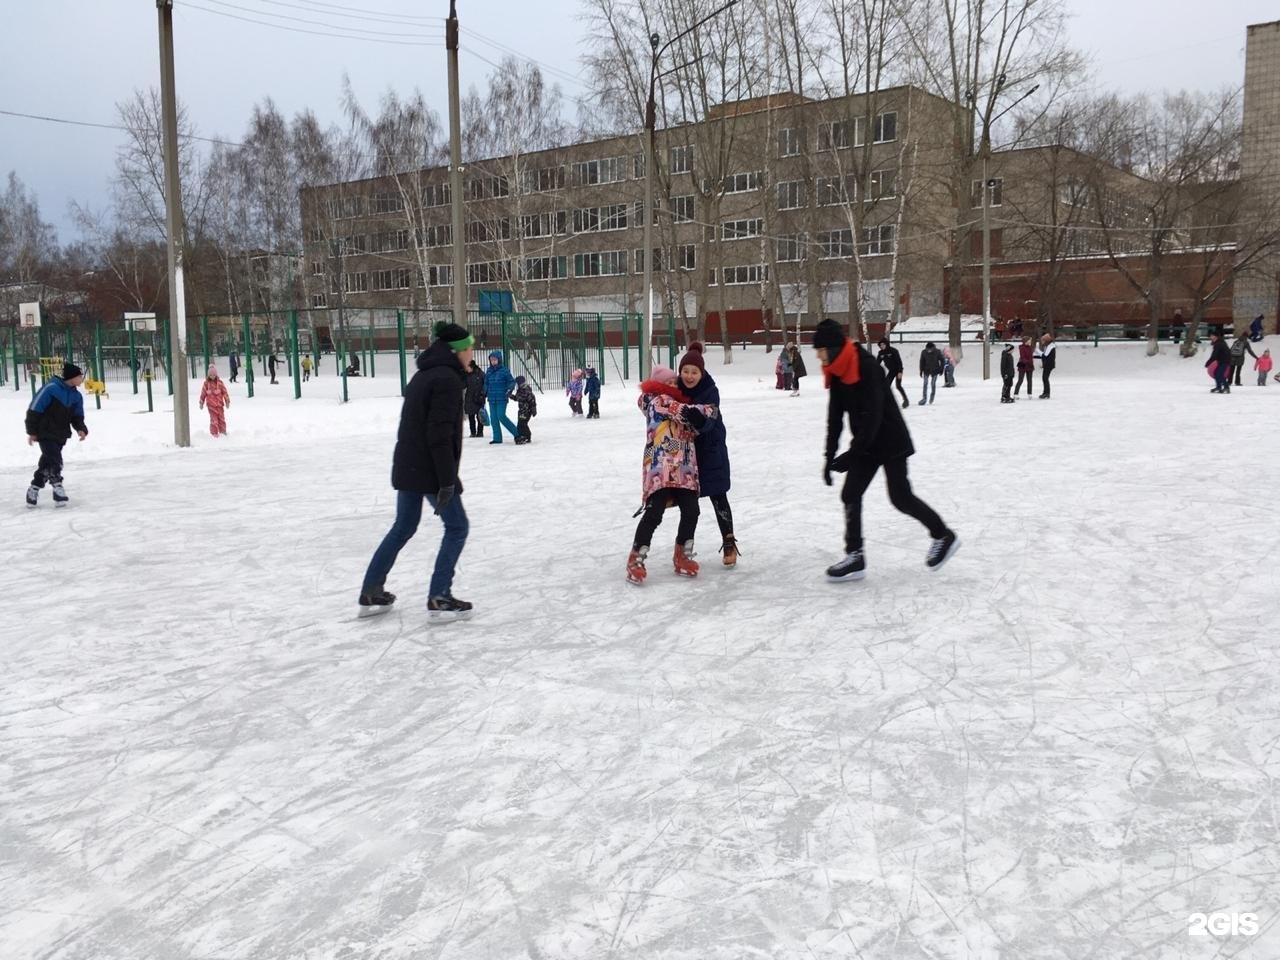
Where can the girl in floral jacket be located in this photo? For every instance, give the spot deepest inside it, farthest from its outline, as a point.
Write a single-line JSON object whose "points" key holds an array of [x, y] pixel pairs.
{"points": [[670, 473], [574, 391], [214, 396]]}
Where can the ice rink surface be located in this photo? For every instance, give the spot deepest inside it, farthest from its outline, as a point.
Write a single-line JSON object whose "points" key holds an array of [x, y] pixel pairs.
{"points": [[1061, 745]]}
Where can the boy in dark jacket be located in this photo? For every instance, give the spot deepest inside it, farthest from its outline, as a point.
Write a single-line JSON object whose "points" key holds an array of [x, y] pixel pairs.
{"points": [[1006, 372], [1221, 355], [425, 466], [593, 394], [880, 439], [53, 412], [930, 367], [891, 360], [526, 409]]}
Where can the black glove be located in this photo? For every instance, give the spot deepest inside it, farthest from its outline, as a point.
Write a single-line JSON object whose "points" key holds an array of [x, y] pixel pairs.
{"points": [[826, 473], [694, 417], [443, 496], [842, 463]]}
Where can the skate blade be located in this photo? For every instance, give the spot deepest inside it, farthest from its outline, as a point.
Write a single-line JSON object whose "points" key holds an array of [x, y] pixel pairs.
{"points": [[948, 555], [848, 577], [447, 616], [60, 503], [364, 613], [691, 576]]}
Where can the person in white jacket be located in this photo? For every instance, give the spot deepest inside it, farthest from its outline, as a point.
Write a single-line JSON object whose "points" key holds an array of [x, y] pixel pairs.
{"points": [[1047, 354]]}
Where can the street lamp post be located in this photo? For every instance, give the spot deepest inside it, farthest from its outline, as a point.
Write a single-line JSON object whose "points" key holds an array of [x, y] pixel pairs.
{"points": [[650, 125]]}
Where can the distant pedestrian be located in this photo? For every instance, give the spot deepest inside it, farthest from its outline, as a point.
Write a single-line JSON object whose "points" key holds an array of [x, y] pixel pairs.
{"points": [[948, 367], [54, 411], [306, 368], [473, 402], [891, 360], [214, 396], [498, 382], [880, 440], [1026, 365], [233, 361], [593, 394], [1006, 372], [424, 466], [784, 367], [271, 365], [798, 371], [573, 390], [930, 367], [1048, 357], [1263, 366], [1255, 329]]}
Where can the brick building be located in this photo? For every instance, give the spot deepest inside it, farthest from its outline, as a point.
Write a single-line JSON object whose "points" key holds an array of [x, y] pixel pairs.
{"points": [[1258, 290]]}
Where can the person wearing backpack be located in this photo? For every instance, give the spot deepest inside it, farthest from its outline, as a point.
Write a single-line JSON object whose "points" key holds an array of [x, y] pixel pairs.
{"points": [[1238, 350], [930, 367]]}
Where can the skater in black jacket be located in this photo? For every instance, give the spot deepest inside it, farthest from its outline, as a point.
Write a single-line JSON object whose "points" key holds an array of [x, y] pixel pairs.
{"points": [[526, 410], [474, 399], [880, 439], [891, 360], [54, 411], [1006, 372], [425, 466]]}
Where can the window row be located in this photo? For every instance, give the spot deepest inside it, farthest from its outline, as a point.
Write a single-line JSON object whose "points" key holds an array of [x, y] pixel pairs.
{"points": [[836, 244]]}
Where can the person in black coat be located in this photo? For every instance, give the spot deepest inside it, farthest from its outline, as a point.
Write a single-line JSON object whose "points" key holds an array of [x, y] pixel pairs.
{"points": [[474, 399], [1047, 354], [526, 410], [931, 364], [1006, 372], [798, 372], [880, 439], [710, 448], [1221, 355], [425, 466], [891, 360]]}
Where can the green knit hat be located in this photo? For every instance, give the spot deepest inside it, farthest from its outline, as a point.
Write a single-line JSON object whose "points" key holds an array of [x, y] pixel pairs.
{"points": [[455, 336]]}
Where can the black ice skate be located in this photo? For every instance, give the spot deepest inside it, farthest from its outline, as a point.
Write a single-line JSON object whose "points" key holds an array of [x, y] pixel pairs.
{"points": [[852, 567], [374, 604], [60, 498], [447, 608], [940, 550], [33, 496]]}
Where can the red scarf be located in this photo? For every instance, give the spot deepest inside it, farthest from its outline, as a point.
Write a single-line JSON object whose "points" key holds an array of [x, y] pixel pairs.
{"points": [[845, 366], [667, 389]]}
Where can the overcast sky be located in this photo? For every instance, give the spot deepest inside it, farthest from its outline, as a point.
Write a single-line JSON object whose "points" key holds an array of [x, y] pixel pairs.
{"points": [[75, 59]]}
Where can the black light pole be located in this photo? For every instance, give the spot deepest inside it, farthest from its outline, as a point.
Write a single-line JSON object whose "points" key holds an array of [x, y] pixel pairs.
{"points": [[650, 125]]}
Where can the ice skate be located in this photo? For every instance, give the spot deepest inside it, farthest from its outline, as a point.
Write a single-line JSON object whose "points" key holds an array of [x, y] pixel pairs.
{"points": [[730, 550], [852, 567], [33, 496], [941, 550], [447, 608], [375, 604], [60, 498], [635, 565], [683, 561]]}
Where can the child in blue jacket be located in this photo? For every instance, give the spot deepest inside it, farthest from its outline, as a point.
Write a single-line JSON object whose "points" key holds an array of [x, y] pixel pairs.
{"points": [[54, 411], [593, 394]]}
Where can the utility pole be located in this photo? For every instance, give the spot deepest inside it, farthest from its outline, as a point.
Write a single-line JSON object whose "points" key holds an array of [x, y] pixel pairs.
{"points": [[455, 171], [174, 227], [178, 382], [986, 264], [650, 123]]}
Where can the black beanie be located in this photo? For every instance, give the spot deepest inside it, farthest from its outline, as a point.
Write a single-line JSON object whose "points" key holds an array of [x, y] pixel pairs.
{"points": [[70, 371], [455, 336], [829, 336]]}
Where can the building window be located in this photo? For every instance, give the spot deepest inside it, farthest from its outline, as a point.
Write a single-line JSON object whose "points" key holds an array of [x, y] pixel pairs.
{"points": [[355, 283], [609, 170], [875, 241], [790, 195], [609, 263], [881, 185], [543, 224], [682, 209], [834, 135], [744, 182], [637, 167], [711, 277], [995, 192], [436, 235], [789, 139], [834, 244], [657, 260], [741, 229], [639, 214], [544, 268], [688, 254], [345, 207], [317, 268], [884, 129], [682, 159], [486, 188], [543, 180], [485, 231], [436, 195], [835, 190], [389, 241], [387, 203], [319, 301], [997, 244], [789, 248], [391, 279], [751, 273], [440, 275], [599, 219], [491, 271]]}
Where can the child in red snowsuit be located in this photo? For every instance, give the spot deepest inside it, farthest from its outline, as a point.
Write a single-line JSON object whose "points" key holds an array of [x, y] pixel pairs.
{"points": [[214, 395]]}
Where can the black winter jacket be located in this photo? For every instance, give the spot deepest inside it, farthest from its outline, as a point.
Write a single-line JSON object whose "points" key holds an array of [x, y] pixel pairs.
{"points": [[475, 391], [710, 444], [1221, 353], [526, 402], [879, 432], [891, 360], [1006, 364], [429, 443], [930, 361]]}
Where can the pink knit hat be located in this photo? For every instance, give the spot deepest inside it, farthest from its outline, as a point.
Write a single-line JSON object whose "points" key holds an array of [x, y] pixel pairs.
{"points": [[663, 373], [213, 371]]}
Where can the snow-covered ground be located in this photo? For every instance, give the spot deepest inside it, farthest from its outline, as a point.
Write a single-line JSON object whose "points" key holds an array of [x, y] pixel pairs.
{"points": [[1063, 744]]}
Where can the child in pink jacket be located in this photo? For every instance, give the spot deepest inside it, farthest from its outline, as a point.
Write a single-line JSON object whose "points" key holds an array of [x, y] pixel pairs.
{"points": [[214, 395], [1263, 366]]}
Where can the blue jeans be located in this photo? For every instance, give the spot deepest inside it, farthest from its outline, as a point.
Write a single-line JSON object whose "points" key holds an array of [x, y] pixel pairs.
{"points": [[930, 380], [408, 515], [1222, 377], [498, 419]]}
